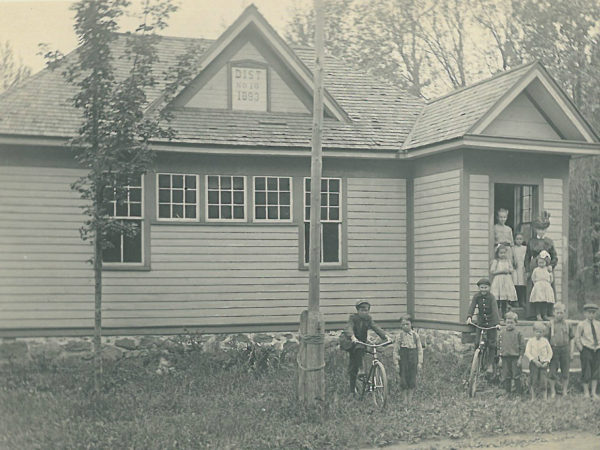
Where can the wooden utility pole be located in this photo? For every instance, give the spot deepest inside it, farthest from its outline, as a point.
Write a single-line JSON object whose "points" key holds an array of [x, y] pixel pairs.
{"points": [[311, 358]]}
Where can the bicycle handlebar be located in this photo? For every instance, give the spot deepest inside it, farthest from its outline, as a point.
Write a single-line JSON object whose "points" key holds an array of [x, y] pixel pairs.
{"points": [[383, 344], [484, 328]]}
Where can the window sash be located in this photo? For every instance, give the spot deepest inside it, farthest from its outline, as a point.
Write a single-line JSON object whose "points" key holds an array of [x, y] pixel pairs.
{"points": [[227, 193], [332, 194], [183, 204], [324, 248], [133, 206], [277, 192], [123, 241]]}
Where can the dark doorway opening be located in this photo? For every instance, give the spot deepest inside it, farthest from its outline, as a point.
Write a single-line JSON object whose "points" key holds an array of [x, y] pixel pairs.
{"points": [[521, 201]]}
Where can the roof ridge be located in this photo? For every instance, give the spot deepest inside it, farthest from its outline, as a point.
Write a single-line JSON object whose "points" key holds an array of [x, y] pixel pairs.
{"points": [[485, 80]]}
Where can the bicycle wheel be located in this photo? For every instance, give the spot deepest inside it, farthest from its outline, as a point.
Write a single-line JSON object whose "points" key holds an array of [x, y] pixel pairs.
{"points": [[474, 372], [379, 383]]}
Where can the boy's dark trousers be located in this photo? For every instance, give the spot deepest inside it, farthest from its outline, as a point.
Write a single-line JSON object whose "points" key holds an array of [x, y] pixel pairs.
{"points": [[511, 371], [356, 354], [521, 295]]}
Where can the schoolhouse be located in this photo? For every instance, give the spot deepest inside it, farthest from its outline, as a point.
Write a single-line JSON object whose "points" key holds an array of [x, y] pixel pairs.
{"points": [[409, 193]]}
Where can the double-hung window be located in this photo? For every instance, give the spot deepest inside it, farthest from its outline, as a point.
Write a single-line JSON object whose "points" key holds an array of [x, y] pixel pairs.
{"points": [[177, 197], [225, 198], [126, 205], [272, 199], [331, 220]]}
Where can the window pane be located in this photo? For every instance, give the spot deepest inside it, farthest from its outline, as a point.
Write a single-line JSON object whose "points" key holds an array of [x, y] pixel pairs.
{"points": [[164, 196], [213, 197], [323, 213], [190, 196], [135, 210], [177, 195], [164, 211], [135, 195], [132, 246], [284, 198], [225, 212], [284, 184], [323, 185], [334, 214], [113, 254], [225, 182], [272, 184], [213, 182], [306, 241], [238, 198], [334, 185], [177, 181], [260, 212], [307, 184], [260, 198], [307, 198], [330, 248], [164, 181], [213, 212], [121, 208], [238, 183], [238, 212], [284, 212], [323, 200], [272, 198], [190, 212], [334, 199], [307, 213], [273, 212], [177, 211], [259, 183], [226, 197], [190, 182]]}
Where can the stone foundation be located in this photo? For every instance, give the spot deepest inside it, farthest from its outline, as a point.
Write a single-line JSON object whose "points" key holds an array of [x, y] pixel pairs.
{"points": [[23, 350]]}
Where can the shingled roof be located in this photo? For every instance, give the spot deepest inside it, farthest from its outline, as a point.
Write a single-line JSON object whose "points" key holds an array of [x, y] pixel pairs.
{"points": [[453, 114]]}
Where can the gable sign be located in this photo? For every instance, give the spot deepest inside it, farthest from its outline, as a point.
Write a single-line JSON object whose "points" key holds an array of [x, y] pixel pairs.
{"points": [[248, 88]]}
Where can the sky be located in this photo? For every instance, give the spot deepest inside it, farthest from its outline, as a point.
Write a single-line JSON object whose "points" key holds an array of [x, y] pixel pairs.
{"points": [[27, 23]]}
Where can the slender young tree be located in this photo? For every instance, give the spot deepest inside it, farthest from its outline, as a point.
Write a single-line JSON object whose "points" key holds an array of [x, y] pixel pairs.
{"points": [[113, 140], [12, 70]]}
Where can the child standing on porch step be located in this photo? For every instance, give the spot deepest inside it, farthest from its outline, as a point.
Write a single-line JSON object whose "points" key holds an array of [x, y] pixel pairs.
{"points": [[408, 358], [503, 234], [542, 294], [519, 277], [502, 282]]}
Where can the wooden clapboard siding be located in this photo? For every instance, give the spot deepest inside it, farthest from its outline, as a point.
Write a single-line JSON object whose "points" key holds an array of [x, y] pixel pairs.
{"points": [[522, 119], [553, 203], [479, 226], [45, 280], [283, 99], [214, 94], [437, 246]]}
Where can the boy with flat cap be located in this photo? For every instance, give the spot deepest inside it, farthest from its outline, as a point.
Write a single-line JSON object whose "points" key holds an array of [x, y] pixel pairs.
{"points": [[488, 315], [355, 332], [587, 340]]}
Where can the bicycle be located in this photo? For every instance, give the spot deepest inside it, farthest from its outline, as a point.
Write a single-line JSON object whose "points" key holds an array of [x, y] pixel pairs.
{"points": [[480, 358], [374, 383]]}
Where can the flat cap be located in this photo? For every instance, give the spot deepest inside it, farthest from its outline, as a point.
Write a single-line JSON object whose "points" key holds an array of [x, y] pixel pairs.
{"points": [[483, 281]]}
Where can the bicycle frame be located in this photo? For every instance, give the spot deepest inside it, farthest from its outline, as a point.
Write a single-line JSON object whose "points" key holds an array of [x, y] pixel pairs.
{"points": [[375, 381], [480, 357]]}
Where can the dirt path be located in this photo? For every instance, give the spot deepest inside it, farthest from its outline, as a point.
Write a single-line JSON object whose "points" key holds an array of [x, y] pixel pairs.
{"points": [[554, 441]]}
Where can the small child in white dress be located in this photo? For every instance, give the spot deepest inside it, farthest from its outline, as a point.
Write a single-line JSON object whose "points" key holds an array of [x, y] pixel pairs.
{"points": [[502, 283], [542, 294]]}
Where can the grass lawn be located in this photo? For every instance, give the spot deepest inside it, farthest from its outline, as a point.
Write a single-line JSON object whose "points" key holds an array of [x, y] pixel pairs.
{"points": [[232, 400]]}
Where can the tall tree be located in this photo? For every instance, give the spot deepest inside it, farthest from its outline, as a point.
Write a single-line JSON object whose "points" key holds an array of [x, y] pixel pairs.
{"points": [[12, 71], [113, 140]]}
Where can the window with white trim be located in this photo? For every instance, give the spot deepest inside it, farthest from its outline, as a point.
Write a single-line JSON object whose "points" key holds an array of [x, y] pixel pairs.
{"points": [[126, 205], [273, 199], [177, 197], [331, 220], [225, 197]]}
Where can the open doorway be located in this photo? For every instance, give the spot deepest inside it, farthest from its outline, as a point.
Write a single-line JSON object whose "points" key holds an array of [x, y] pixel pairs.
{"points": [[521, 201]]}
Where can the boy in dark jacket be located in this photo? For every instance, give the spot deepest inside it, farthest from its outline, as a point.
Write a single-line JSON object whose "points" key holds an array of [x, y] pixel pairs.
{"points": [[357, 330], [511, 347], [488, 315]]}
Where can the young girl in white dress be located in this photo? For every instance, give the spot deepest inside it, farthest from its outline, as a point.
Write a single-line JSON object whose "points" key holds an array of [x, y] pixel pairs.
{"points": [[502, 283], [503, 234], [542, 294]]}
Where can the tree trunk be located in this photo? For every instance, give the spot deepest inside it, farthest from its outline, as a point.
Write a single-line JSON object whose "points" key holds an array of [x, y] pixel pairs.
{"points": [[97, 314]]}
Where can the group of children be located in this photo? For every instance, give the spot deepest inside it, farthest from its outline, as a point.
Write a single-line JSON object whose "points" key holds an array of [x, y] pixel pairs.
{"points": [[549, 350], [517, 265]]}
